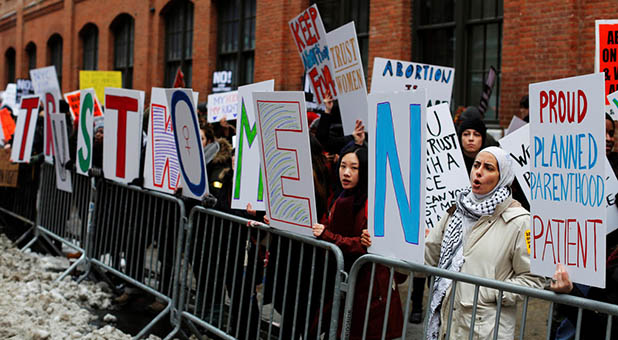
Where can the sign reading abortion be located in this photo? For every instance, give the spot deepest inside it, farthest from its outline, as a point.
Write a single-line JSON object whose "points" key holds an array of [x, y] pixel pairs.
{"points": [[24, 130], [45, 83], [395, 75], [248, 185], [567, 178], [286, 160], [310, 40], [517, 144], [446, 170], [606, 37], [181, 103], [349, 75], [61, 156], [397, 174], [122, 144]]}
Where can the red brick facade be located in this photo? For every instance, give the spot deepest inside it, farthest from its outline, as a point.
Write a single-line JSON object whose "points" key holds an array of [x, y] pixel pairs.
{"points": [[541, 40]]}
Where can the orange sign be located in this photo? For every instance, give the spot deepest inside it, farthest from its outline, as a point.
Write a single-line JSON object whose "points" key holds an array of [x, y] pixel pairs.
{"points": [[606, 54], [8, 124], [72, 99]]}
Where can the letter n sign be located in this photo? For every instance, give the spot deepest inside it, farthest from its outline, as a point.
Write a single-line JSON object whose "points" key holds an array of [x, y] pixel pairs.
{"points": [[397, 166]]}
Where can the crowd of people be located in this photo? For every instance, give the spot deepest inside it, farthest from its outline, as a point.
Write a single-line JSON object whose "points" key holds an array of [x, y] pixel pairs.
{"points": [[483, 233]]}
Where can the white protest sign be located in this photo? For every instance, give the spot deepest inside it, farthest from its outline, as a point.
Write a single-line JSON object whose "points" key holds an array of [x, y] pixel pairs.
{"points": [[517, 145], [349, 75], [9, 96], [446, 170], [161, 166], [395, 75], [61, 156], [87, 104], [310, 40], [515, 124], [45, 83], [567, 181], [122, 144], [188, 142], [222, 105], [24, 130], [611, 189], [286, 160], [397, 174], [248, 185]]}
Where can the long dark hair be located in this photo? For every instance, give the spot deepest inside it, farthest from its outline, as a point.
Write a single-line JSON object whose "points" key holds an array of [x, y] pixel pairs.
{"points": [[360, 190]]}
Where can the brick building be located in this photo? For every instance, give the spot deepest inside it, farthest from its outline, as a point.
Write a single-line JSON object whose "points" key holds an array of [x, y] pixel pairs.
{"points": [[526, 41]]}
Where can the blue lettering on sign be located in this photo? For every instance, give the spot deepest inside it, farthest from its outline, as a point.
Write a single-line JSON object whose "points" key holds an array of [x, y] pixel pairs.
{"points": [[418, 71], [386, 150]]}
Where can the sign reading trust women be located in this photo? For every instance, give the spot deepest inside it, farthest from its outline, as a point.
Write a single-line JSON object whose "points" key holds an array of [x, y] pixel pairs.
{"points": [[567, 178], [397, 166]]}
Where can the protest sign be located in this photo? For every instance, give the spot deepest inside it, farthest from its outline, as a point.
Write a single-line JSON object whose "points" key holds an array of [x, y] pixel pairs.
{"points": [[122, 144], [161, 167], [606, 47], [397, 174], [24, 88], [72, 98], [349, 75], [611, 187], [222, 105], [446, 170], [248, 185], [310, 40], [515, 124], [286, 160], [99, 80], [517, 145], [567, 181], [8, 97], [45, 84], [8, 171], [221, 81], [7, 123], [391, 75], [188, 142], [24, 130], [87, 104], [61, 156]]}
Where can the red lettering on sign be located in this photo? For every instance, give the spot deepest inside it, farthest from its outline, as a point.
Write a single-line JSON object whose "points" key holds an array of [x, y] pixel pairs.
{"points": [[122, 105], [29, 104]]}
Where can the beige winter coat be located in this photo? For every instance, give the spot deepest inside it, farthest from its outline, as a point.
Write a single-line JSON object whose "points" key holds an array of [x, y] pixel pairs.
{"points": [[494, 248]]}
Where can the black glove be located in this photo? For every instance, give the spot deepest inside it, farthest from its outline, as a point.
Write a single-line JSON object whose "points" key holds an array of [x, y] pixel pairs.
{"points": [[209, 201]]}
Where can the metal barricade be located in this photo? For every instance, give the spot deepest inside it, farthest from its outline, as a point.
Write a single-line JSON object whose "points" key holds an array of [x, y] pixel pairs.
{"points": [[63, 216], [137, 236], [393, 266], [241, 282], [20, 202]]}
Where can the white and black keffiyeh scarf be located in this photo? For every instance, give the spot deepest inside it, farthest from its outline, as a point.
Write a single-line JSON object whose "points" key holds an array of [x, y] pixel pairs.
{"points": [[451, 249]]}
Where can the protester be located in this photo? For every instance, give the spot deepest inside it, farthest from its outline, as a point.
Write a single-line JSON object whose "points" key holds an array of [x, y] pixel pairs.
{"points": [[489, 227], [610, 129], [472, 133], [524, 109]]}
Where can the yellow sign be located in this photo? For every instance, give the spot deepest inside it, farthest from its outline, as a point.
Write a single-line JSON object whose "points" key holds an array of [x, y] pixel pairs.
{"points": [[528, 240], [99, 80]]}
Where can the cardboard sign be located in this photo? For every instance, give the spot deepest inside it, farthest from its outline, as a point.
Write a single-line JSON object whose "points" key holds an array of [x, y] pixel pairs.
{"points": [[395, 75], [611, 187], [286, 160], [446, 170], [515, 124], [517, 145], [606, 48], [122, 144], [222, 105], [8, 97], [99, 80], [7, 123], [310, 40], [248, 185], [188, 142], [24, 130], [61, 156], [349, 75], [8, 171], [87, 105], [161, 166], [72, 98], [45, 83], [24, 88], [567, 181]]}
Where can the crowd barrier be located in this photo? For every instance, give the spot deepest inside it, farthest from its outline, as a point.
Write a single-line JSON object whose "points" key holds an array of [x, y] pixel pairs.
{"points": [[20, 202]]}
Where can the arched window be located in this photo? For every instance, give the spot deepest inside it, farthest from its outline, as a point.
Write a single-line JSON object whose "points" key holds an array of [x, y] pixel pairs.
{"points": [[123, 30], [9, 57], [31, 56], [178, 41], [237, 39], [54, 55], [90, 43]]}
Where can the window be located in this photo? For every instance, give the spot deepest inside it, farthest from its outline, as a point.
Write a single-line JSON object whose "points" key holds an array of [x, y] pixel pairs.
{"points": [[31, 56], [90, 43], [9, 57], [466, 35], [123, 30], [178, 41], [54, 55], [237, 40], [336, 13]]}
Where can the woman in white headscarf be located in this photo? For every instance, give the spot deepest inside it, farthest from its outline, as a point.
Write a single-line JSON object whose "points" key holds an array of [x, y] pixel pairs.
{"points": [[483, 234]]}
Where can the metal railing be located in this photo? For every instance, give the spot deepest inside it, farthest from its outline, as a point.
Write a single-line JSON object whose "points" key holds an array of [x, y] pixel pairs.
{"points": [[20, 202]]}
